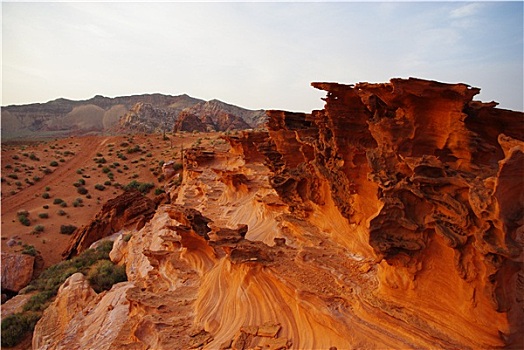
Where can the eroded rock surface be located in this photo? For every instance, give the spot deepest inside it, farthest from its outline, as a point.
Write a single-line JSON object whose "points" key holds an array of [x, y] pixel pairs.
{"points": [[392, 218], [130, 209]]}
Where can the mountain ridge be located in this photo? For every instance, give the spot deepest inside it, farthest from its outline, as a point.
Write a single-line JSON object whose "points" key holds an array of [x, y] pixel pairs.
{"points": [[100, 114]]}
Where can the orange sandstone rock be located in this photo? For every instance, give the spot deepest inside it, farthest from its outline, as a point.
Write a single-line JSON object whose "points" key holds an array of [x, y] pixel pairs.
{"points": [[392, 218]]}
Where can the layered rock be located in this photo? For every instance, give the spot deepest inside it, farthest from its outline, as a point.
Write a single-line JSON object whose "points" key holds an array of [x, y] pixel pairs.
{"points": [[390, 219], [17, 271], [215, 115], [129, 210], [144, 117]]}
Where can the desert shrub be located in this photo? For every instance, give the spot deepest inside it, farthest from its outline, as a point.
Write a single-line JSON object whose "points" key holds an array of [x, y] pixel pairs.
{"points": [[47, 188], [63, 204], [82, 190], [100, 160], [159, 191], [45, 206], [78, 202], [61, 213], [45, 195], [105, 170], [107, 183], [15, 157], [18, 184], [57, 201], [15, 327], [149, 155], [127, 237], [38, 228], [99, 154], [67, 229], [13, 176], [103, 274], [134, 149], [54, 163], [43, 216], [178, 166], [61, 160], [47, 171], [143, 187], [32, 156], [29, 250], [9, 166], [24, 220], [39, 302], [160, 163], [79, 171], [36, 178], [100, 187]]}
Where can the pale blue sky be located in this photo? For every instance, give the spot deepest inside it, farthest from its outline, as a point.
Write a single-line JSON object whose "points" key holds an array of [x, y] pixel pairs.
{"points": [[256, 55]]}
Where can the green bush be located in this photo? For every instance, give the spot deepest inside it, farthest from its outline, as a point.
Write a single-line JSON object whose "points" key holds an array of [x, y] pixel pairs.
{"points": [[57, 201], [103, 274], [40, 301], [143, 187], [47, 188], [43, 216], [105, 170], [13, 176], [61, 213], [82, 190], [45, 195], [178, 166], [29, 250], [32, 156], [67, 229], [54, 163], [100, 187], [24, 220], [38, 228], [15, 327], [159, 191], [63, 204], [107, 183]]}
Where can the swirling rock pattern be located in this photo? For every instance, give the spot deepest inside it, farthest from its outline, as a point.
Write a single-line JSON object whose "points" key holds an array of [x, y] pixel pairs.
{"points": [[392, 218]]}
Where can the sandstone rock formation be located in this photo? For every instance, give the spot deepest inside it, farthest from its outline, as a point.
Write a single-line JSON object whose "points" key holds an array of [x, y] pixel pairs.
{"points": [[129, 210], [392, 218], [17, 271]]}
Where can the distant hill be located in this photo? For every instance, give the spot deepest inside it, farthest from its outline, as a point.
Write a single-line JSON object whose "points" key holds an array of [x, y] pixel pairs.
{"points": [[136, 113]]}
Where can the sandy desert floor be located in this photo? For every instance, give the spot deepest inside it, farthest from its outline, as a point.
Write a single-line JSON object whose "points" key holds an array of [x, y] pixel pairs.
{"points": [[36, 175]]}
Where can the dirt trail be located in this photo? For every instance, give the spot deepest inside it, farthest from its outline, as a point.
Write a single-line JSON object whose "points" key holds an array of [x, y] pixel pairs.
{"points": [[89, 147]]}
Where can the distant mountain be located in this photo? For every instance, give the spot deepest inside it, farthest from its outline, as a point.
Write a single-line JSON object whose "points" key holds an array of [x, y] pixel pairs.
{"points": [[137, 113]]}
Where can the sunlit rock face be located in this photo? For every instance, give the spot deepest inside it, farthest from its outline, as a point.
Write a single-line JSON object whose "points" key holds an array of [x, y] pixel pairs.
{"points": [[392, 218]]}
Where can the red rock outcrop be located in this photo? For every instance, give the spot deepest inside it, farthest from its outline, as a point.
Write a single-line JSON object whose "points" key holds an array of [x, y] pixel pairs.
{"points": [[17, 271], [129, 210], [391, 219]]}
